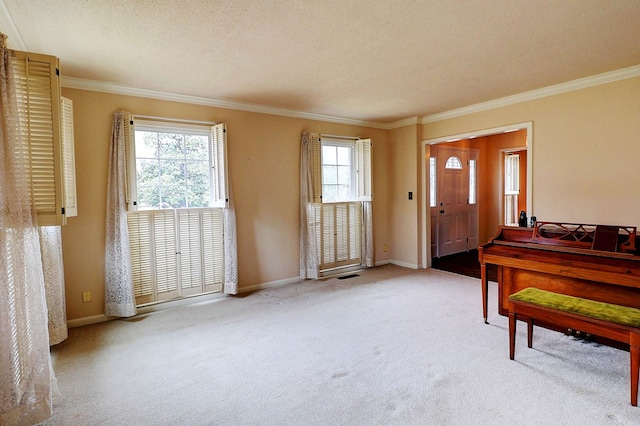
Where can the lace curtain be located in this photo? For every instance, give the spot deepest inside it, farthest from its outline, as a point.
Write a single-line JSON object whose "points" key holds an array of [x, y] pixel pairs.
{"points": [[367, 234], [308, 245], [119, 295], [53, 268], [26, 376], [230, 247]]}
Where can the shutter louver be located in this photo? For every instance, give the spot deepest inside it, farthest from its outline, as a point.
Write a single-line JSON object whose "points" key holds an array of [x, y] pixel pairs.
{"points": [[328, 235], [38, 98], [316, 167], [165, 245], [363, 171], [190, 251], [355, 232], [69, 159], [220, 188], [140, 245], [342, 232]]}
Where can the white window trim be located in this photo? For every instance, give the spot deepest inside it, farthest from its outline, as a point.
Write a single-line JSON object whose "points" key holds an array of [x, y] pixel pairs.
{"points": [[219, 182]]}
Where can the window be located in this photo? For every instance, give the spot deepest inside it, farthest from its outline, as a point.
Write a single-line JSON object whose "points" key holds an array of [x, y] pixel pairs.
{"points": [[472, 182], [432, 182], [511, 188], [173, 170], [338, 172], [341, 180], [342, 170], [175, 218], [453, 163]]}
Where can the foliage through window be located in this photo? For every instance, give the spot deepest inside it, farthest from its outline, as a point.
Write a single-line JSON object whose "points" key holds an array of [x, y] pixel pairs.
{"points": [[173, 169], [337, 172]]}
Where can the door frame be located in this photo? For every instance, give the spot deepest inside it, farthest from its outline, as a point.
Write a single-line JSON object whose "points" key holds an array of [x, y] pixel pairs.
{"points": [[426, 219]]}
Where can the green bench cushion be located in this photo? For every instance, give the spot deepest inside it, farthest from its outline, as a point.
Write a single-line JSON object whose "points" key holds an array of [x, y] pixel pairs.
{"points": [[589, 308]]}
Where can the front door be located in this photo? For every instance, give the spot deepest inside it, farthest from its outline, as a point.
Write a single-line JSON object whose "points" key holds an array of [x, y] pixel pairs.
{"points": [[452, 204]]}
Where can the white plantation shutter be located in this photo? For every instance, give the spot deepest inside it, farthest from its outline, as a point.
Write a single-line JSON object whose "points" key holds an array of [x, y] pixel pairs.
{"points": [[355, 240], [140, 239], [38, 96], [316, 167], [69, 159], [363, 169], [166, 248], [190, 232], [342, 232], [328, 241], [338, 234], [219, 159], [176, 252]]}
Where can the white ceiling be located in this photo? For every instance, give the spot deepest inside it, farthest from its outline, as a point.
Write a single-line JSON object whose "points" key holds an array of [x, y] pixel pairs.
{"points": [[369, 60]]}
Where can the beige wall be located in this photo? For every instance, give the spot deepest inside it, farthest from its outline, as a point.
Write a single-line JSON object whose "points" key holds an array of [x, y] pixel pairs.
{"points": [[404, 213], [586, 154], [264, 157]]}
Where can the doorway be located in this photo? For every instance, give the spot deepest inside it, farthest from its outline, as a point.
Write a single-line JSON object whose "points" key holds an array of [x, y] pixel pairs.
{"points": [[490, 196]]}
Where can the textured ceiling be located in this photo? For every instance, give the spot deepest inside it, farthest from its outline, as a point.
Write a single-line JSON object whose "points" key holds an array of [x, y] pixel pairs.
{"points": [[372, 60]]}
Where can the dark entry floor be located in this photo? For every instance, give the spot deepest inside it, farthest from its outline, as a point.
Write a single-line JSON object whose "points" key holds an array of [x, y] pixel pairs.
{"points": [[465, 263]]}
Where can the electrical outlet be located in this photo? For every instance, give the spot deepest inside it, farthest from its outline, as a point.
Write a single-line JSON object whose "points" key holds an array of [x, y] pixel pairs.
{"points": [[86, 296], [385, 248]]}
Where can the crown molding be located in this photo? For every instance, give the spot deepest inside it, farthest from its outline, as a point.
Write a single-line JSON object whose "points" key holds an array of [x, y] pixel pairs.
{"points": [[119, 89], [582, 83], [403, 123], [8, 27]]}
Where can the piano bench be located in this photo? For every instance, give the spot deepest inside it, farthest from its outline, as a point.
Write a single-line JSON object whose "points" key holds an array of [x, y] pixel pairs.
{"points": [[618, 323]]}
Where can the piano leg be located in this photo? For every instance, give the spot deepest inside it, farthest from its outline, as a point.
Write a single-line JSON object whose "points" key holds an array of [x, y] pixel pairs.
{"points": [[634, 354], [513, 320], [485, 290]]}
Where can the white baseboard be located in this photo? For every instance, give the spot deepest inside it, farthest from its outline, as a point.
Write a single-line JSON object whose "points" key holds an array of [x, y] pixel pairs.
{"points": [[270, 284], [405, 264], [95, 319]]}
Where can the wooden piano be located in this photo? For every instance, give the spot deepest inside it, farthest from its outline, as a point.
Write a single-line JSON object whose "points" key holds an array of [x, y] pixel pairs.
{"points": [[590, 261]]}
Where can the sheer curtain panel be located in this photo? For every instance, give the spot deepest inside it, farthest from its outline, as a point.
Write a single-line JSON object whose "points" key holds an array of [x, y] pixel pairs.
{"points": [[230, 248], [308, 245], [367, 234], [26, 376], [120, 299], [53, 268]]}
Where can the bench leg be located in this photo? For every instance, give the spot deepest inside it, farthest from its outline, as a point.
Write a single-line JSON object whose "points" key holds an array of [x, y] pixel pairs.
{"points": [[530, 332], [512, 334], [634, 350]]}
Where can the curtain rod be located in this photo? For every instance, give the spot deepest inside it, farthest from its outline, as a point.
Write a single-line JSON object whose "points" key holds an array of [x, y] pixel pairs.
{"points": [[340, 137], [174, 120]]}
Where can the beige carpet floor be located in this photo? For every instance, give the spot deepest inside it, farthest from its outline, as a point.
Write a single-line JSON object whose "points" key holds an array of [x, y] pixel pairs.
{"points": [[390, 347]]}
